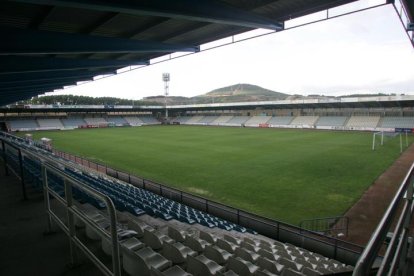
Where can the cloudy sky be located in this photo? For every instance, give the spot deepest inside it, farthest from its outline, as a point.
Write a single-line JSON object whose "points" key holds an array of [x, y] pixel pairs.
{"points": [[365, 52]]}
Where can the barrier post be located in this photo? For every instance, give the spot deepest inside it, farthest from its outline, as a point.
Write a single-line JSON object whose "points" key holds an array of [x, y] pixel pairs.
{"points": [[46, 197], [71, 221], [6, 169], [22, 175]]}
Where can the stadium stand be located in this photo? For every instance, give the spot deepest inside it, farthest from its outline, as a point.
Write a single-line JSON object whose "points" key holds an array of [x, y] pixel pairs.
{"points": [[397, 122], [149, 120], [193, 120], [50, 123], [181, 119], [221, 120], [117, 120], [280, 121], [95, 120], [237, 120], [342, 122], [199, 244], [323, 122], [257, 120], [73, 122], [133, 121], [363, 121], [23, 124], [334, 121], [304, 120], [206, 120]]}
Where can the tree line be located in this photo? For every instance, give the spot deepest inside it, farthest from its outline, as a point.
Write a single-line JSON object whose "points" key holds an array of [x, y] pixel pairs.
{"points": [[85, 100]]}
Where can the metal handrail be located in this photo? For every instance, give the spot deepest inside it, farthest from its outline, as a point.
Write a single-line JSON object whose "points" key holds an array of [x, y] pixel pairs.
{"points": [[72, 182], [395, 249], [69, 182]]}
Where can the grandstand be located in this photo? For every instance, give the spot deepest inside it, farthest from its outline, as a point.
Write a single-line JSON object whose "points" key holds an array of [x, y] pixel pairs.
{"points": [[117, 120], [221, 120], [331, 121], [257, 120], [304, 121], [73, 122], [237, 121], [149, 121], [207, 119], [50, 124], [397, 122], [181, 119], [95, 121], [21, 124], [364, 123], [134, 121], [76, 122], [280, 121], [193, 120]]}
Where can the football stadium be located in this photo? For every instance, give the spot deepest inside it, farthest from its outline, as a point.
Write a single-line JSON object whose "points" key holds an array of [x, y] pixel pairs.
{"points": [[293, 186]]}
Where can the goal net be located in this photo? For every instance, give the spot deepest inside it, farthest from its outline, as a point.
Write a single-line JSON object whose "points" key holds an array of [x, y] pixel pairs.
{"points": [[381, 137]]}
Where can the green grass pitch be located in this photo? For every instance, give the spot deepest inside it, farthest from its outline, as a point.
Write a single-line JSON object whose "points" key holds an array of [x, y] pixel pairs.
{"points": [[289, 175]]}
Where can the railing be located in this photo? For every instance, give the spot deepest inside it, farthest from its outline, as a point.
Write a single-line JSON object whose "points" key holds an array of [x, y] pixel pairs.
{"points": [[330, 226], [395, 258], [401, 8], [331, 247], [68, 226]]}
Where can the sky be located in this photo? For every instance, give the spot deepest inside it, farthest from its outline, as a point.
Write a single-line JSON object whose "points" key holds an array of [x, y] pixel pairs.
{"points": [[364, 52]]}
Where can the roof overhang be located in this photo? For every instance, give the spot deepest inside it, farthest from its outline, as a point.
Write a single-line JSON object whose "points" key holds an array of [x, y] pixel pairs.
{"points": [[56, 41]]}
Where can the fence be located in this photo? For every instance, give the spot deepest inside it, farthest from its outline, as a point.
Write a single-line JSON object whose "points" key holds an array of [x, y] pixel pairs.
{"points": [[328, 246], [331, 226]]}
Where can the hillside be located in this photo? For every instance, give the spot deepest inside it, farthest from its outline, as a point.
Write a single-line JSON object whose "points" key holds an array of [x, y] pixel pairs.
{"points": [[240, 93], [244, 89], [228, 94]]}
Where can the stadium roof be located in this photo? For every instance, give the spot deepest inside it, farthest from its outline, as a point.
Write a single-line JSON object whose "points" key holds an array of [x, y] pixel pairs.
{"points": [[398, 101], [49, 44]]}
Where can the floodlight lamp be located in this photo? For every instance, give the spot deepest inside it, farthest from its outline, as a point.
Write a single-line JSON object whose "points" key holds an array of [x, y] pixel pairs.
{"points": [[166, 76]]}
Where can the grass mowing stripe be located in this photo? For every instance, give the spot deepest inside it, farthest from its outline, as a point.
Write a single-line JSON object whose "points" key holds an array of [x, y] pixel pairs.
{"points": [[286, 174]]}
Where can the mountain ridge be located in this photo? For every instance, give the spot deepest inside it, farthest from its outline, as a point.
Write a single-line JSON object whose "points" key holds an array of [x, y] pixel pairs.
{"points": [[241, 92]]}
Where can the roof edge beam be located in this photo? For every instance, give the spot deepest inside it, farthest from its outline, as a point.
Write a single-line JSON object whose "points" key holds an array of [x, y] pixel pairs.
{"points": [[55, 85], [210, 11], [50, 75], [25, 64], [42, 83], [33, 42]]}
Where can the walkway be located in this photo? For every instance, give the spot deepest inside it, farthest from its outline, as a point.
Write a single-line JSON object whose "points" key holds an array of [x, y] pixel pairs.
{"points": [[367, 212]]}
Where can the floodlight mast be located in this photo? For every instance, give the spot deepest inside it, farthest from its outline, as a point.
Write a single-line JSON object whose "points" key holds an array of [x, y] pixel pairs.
{"points": [[166, 79]]}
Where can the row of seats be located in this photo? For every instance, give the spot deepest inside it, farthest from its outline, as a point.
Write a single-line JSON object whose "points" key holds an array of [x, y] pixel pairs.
{"points": [[74, 122], [321, 121], [132, 199], [138, 201], [172, 251]]}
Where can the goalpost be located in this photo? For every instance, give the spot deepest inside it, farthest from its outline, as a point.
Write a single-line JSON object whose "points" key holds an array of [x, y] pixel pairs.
{"points": [[389, 135]]}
